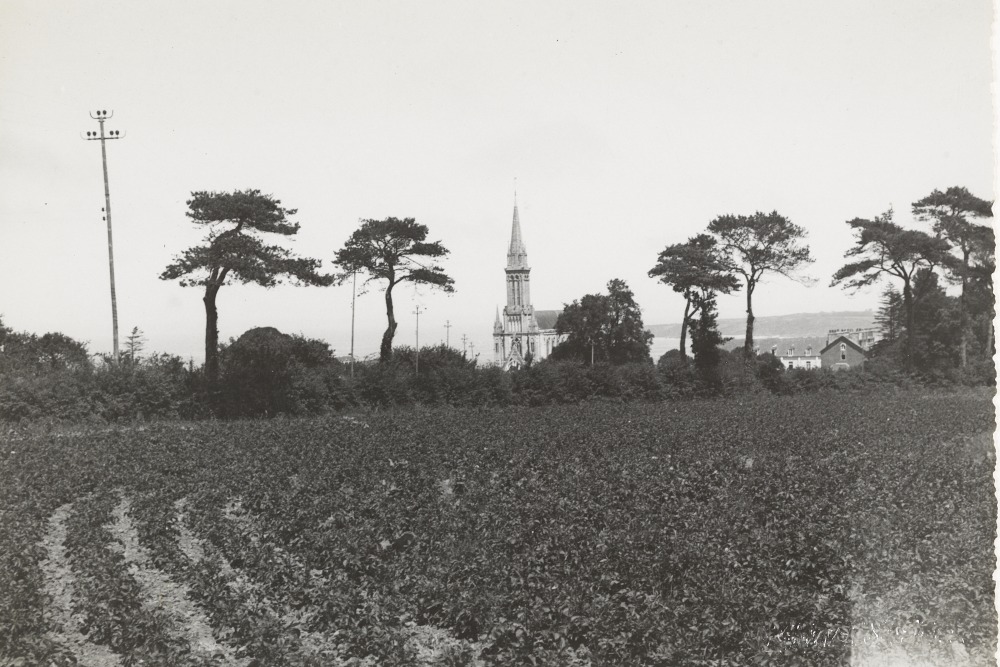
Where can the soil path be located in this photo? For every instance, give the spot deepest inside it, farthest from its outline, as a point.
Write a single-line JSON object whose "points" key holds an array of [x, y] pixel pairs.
{"points": [[60, 581], [164, 595]]}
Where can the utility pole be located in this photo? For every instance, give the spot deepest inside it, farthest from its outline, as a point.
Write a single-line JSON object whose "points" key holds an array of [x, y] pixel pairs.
{"points": [[354, 294], [416, 363], [447, 333], [100, 117], [472, 349], [464, 339]]}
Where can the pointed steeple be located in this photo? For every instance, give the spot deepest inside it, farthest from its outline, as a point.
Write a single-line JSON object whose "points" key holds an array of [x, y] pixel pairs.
{"points": [[517, 255]]}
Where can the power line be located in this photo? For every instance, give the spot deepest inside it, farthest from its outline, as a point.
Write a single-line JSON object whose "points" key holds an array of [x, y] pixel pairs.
{"points": [[100, 117]]}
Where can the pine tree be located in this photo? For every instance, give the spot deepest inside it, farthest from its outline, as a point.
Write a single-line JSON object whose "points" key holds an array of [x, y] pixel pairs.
{"points": [[890, 315], [706, 341]]}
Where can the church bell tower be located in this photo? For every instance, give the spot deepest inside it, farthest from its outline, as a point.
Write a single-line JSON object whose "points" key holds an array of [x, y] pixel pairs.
{"points": [[518, 313]]}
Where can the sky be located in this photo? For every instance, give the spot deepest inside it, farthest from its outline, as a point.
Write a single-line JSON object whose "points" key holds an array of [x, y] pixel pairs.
{"points": [[628, 126]]}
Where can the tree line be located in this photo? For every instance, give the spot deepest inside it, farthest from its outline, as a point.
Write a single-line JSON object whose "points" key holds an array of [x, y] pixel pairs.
{"points": [[924, 331], [392, 250], [736, 252]]}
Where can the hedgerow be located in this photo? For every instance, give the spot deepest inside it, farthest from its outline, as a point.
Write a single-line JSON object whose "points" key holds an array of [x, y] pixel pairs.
{"points": [[764, 530]]}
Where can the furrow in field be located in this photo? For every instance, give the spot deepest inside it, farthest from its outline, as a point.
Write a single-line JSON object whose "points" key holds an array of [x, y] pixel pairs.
{"points": [[163, 594], [295, 639], [60, 581], [427, 645]]}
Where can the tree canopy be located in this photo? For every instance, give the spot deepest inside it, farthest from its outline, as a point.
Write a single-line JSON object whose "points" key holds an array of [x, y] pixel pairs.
{"points": [[758, 244], [951, 213], [604, 327], [887, 249], [697, 270], [234, 252], [394, 250]]}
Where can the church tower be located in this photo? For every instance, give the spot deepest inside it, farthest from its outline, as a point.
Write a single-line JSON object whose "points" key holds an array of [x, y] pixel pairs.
{"points": [[518, 313], [519, 332]]}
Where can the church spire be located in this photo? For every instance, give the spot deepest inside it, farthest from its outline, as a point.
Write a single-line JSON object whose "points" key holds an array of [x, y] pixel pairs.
{"points": [[517, 255]]}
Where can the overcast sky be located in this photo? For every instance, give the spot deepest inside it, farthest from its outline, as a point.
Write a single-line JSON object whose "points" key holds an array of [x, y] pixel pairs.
{"points": [[628, 126]]}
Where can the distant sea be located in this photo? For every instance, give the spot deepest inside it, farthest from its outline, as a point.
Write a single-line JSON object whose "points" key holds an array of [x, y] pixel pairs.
{"points": [[661, 345]]}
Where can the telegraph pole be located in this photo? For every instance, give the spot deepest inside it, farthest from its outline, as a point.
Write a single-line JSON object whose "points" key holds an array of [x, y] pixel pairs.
{"points": [[447, 333], [100, 117], [464, 339], [416, 363]]}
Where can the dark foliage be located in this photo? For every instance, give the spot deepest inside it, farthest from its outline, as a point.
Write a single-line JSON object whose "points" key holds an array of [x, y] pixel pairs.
{"points": [[267, 373], [696, 269], [706, 342], [603, 328]]}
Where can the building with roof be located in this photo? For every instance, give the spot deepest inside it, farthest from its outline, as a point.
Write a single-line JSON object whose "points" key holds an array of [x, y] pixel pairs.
{"points": [[521, 331], [808, 360], [865, 337], [843, 353]]}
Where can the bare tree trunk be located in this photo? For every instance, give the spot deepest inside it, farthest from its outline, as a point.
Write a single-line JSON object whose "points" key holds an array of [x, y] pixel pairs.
{"points": [[748, 341], [963, 345], [385, 352], [908, 312], [684, 329], [211, 335]]}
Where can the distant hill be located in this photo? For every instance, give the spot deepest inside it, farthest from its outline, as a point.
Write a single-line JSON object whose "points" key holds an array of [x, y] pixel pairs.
{"points": [[799, 325]]}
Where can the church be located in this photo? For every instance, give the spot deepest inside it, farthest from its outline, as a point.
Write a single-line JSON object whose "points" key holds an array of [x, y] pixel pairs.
{"points": [[522, 332]]}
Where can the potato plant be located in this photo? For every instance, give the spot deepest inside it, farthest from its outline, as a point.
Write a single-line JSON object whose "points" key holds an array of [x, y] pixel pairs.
{"points": [[765, 530]]}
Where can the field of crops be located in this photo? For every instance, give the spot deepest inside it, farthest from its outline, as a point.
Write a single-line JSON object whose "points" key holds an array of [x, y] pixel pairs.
{"points": [[816, 530]]}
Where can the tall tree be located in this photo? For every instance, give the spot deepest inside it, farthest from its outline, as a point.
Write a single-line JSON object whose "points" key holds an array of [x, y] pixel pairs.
{"points": [[705, 342], [937, 324], [696, 270], [395, 251], [234, 252], [604, 327], [628, 339], [883, 248], [758, 244], [584, 322], [889, 317], [949, 213], [982, 300]]}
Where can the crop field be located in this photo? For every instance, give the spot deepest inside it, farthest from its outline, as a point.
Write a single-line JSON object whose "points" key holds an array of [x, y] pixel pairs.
{"points": [[812, 530]]}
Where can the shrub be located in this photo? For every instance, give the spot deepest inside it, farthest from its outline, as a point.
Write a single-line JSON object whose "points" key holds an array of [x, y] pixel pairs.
{"points": [[266, 372], [549, 382], [382, 385]]}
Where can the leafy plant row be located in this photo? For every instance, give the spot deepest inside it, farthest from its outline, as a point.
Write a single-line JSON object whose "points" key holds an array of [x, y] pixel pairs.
{"points": [[703, 532]]}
